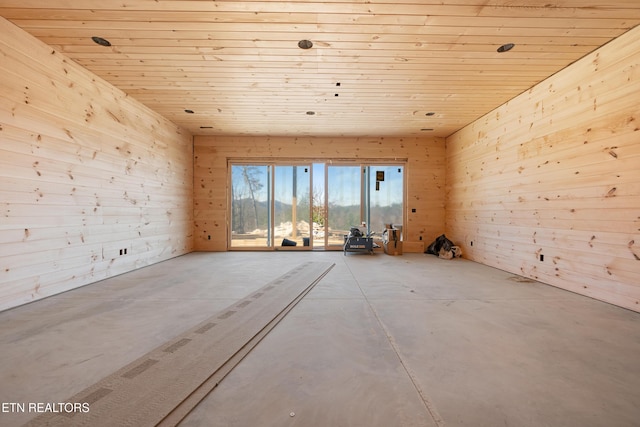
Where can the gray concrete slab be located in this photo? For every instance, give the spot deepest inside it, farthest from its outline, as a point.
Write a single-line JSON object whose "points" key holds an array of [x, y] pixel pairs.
{"points": [[405, 341], [329, 363]]}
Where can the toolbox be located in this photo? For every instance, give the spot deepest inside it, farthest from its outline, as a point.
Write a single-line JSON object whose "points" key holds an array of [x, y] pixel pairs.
{"points": [[356, 242]]}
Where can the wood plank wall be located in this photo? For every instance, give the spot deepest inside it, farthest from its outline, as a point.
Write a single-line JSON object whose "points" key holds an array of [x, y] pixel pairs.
{"points": [[424, 176], [85, 172], [555, 173]]}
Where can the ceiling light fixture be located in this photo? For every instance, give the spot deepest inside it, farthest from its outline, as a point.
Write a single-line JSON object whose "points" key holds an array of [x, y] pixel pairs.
{"points": [[305, 44], [506, 47], [101, 41]]}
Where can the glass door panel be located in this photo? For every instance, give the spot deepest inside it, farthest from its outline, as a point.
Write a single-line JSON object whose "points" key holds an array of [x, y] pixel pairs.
{"points": [[343, 189], [292, 206], [385, 197], [251, 206]]}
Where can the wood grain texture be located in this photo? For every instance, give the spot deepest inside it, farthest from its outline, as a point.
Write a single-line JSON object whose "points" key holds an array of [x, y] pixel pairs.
{"points": [[555, 173], [85, 173], [237, 64], [424, 177]]}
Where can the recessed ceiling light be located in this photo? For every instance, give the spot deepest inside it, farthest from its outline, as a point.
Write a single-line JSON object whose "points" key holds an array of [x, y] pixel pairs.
{"points": [[506, 47], [305, 44], [311, 113], [188, 111], [101, 41]]}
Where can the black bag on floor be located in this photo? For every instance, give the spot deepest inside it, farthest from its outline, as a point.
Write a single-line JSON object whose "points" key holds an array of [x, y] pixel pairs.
{"points": [[355, 232], [441, 242]]}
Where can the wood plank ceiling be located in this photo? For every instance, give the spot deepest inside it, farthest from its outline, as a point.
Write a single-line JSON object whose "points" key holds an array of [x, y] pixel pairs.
{"points": [[376, 68]]}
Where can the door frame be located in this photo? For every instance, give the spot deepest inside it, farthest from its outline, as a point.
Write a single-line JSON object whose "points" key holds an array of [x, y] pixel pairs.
{"points": [[271, 164], [366, 168], [309, 162]]}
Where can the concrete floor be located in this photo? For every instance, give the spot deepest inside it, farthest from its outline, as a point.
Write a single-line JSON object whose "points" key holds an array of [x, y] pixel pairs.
{"points": [[380, 341]]}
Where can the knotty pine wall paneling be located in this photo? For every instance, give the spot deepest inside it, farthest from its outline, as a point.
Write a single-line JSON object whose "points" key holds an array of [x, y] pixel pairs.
{"points": [[85, 173], [548, 185], [424, 178]]}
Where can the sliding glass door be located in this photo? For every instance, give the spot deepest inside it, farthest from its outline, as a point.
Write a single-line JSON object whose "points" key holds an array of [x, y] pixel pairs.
{"points": [[292, 208], [270, 206], [366, 193], [251, 206], [343, 189], [275, 206], [384, 195]]}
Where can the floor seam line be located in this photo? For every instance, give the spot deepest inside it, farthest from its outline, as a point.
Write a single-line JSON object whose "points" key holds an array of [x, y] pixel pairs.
{"points": [[431, 409]]}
